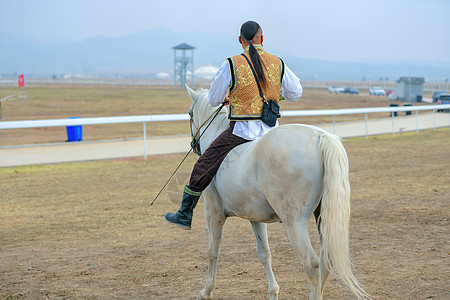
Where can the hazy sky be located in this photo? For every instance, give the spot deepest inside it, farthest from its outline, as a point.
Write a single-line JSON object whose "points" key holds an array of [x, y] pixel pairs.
{"points": [[362, 30]]}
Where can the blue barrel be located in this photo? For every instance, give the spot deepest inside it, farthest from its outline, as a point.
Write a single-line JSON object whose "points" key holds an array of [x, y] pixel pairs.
{"points": [[74, 133]]}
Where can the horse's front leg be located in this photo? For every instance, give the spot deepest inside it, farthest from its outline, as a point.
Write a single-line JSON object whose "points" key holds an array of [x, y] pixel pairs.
{"points": [[215, 224], [264, 255]]}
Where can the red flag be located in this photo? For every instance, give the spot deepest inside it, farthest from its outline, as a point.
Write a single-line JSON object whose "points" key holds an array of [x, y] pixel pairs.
{"points": [[21, 81]]}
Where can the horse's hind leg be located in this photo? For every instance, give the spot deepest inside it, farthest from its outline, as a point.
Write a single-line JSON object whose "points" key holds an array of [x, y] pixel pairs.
{"points": [[215, 228], [324, 272], [264, 255], [297, 232]]}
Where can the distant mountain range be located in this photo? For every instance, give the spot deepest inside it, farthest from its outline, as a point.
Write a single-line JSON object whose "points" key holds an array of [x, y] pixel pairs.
{"points": [[149, 52]]}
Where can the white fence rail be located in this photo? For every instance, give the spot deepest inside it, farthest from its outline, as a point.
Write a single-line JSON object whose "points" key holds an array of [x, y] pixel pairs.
{"points": [[183, 117], [92, 121]]}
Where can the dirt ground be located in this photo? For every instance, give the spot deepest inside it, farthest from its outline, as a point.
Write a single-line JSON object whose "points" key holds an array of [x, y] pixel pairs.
{"points": [[87, 231]]}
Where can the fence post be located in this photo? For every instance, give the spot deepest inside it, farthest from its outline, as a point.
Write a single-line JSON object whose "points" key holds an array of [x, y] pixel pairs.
{"points": [[334, 128], [434, 119], [393, 128], [367, 131], [417, 121], [145, 141]]}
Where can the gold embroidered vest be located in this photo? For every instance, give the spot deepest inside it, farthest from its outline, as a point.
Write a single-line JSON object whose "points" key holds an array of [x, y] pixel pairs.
{"points": [[245, 101]]}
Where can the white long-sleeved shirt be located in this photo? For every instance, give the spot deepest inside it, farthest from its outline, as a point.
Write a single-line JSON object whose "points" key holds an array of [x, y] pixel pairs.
{"points": [[291, 90]]}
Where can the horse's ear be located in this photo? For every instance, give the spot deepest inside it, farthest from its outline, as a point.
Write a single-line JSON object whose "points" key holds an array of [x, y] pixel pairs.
{"points": [[192, 94]]}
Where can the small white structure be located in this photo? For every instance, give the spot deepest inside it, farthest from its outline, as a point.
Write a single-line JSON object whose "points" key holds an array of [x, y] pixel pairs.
{"points": [[162, 75], [206, 72], [410, 89]]}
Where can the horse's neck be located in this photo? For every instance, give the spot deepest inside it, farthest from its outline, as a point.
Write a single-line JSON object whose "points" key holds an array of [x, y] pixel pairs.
{"points": [[217, 127]]}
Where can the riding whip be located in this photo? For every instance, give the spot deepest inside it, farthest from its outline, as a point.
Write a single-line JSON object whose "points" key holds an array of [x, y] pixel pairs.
{"points": [[192, 147]]}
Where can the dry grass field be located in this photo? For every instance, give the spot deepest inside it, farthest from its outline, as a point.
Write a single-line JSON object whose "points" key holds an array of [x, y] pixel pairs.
{"points": [[54, 102]]}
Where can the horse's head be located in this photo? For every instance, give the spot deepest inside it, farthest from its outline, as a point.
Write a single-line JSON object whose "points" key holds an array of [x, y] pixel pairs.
{"points": [[200, 104], [201, 113]]}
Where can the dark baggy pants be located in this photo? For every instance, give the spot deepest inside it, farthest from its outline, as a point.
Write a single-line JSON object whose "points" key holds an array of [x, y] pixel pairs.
{"points": [[209, 162]]}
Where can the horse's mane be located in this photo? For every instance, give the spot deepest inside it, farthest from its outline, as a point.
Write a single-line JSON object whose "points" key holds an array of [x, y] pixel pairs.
{"points": [[202, 92]]}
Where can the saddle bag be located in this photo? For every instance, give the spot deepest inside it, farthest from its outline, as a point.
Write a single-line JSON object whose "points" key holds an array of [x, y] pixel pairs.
{"points": [[270, 112]]}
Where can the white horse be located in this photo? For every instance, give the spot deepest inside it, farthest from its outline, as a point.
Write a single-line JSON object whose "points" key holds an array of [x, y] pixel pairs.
{"points": [[289, 174]]}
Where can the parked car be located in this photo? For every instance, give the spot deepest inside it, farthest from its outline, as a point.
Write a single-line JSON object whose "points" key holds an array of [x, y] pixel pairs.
{"points": [[443, 99], [393, 96], [351, 90], [390, 91], [436, 95], [336, 89], [377, 91]]}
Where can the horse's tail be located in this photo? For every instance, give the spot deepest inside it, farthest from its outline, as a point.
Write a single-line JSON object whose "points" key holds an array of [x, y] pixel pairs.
{"points": [[335, 213]]}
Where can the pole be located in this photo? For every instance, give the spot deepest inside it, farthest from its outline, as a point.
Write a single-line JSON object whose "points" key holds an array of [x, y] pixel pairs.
{"points": [[145, 141], [434, 119], [417, 121], [367, 132], [393, 128], [334, 128], [171, 176]]}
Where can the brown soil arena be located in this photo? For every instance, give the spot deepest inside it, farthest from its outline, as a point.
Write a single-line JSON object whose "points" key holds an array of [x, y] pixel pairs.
{"points": [[86, 230]]}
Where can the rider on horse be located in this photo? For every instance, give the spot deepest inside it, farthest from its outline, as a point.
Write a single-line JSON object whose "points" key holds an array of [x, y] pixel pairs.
{"points": [[245, 111]]}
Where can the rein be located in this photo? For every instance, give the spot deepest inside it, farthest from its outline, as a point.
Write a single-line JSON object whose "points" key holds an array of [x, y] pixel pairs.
{"points": [[195, 144]]}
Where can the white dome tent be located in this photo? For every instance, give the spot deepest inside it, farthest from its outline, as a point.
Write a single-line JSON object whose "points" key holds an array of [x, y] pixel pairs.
{"points": [[206, 72], [162, 75]]}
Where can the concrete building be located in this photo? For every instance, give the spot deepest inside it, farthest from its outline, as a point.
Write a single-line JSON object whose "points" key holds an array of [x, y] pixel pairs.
{"points": [[410, 89]]}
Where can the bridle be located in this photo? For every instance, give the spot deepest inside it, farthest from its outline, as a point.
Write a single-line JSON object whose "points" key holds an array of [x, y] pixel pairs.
{"points": [[195, 139]]}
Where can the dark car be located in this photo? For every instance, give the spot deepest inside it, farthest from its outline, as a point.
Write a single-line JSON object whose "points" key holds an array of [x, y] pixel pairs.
{"points": [[351, 90], [443, 99], [436, 95]]}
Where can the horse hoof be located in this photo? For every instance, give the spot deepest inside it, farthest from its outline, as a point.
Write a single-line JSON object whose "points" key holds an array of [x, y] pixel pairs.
{"points": [[202, 296]]}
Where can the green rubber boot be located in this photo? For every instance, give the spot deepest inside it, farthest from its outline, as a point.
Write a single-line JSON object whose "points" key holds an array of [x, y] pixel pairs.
{"points": [[183, 217]]}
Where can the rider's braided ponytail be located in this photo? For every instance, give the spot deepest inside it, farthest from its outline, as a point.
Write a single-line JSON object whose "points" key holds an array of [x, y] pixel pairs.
{"points": [[248, 31]]}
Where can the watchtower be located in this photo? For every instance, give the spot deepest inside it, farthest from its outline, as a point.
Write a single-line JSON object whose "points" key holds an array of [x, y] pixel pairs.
{"points": [[183, 63]]}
